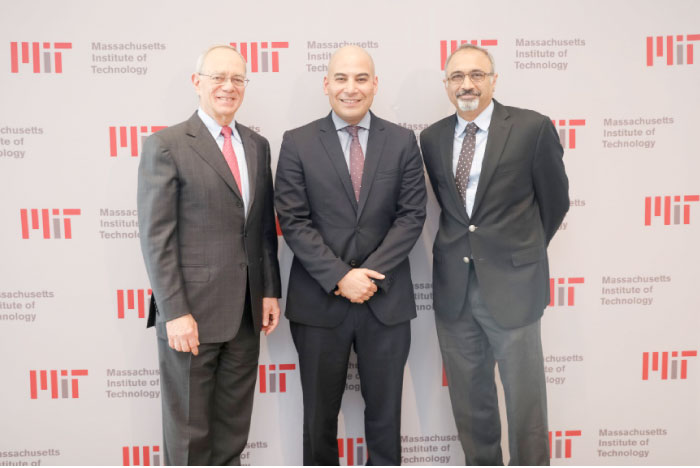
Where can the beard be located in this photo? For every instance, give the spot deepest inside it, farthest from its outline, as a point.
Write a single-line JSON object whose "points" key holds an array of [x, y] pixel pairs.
{"points": [[470, 105]]}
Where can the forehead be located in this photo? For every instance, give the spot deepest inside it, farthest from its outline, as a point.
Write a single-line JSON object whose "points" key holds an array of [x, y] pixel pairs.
{"points": [[222, 59], [351, 62], [468, 60]]}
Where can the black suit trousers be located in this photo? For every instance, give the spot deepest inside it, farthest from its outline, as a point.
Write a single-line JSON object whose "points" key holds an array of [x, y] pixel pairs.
{"points": [[382, 352]]}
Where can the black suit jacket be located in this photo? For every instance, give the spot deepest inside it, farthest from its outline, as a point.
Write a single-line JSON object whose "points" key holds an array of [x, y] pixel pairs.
{"points": [[521, 200], [330, 232], [201, 252]]}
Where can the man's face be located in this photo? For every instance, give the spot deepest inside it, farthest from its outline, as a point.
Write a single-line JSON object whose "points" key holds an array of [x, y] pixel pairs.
{"points": [[220, 101], [469, 98], [350, 84]]}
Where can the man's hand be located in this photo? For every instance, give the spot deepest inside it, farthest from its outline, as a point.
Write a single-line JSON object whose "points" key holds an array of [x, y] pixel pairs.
{"points": [[183, 334], [270, 314], [357, 285]]}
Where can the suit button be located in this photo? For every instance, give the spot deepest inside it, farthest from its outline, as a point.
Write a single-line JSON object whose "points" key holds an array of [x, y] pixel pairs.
{"points": [[353, 263], [243, 266], [465, 259], [472, 228]]}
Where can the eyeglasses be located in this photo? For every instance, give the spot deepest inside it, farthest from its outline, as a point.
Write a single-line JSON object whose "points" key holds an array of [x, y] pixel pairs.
{"points": [[476, 76], [237, 81]]}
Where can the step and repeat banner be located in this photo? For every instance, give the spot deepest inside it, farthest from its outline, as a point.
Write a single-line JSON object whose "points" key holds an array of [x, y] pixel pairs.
{"points": [[85, 82]]}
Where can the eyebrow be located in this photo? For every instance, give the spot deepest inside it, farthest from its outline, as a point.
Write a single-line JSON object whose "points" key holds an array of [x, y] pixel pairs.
{"points": [[344, 75]]}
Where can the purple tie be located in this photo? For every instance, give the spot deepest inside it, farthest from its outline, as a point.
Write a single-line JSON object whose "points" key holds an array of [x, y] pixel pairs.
{"points": [[230, 156], [357, 160], [464, 164]]}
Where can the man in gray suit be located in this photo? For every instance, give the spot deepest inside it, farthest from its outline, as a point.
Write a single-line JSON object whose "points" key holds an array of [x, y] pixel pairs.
{"points": [[209, 242], [350, 195], [499, 178]]}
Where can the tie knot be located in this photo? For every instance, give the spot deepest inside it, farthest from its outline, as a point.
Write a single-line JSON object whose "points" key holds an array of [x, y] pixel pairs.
{"points": [[472, 128], [352, 130], [226, 131]]}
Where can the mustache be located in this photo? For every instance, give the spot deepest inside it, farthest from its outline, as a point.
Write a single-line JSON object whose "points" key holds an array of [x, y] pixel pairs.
{"points": [[470, 92]]}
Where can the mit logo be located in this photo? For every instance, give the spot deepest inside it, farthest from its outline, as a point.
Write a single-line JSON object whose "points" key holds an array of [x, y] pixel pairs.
{"points": [[47, 221], [130, 137], [260, 55], [444, 53], [659, 46], [559, 294], [353, 450], [49, 380], [670, 209], [41, 52], [569, 130], [559, 438], [135, 300], [141, 456], [668, 365], [268, 377], [444, 376]]}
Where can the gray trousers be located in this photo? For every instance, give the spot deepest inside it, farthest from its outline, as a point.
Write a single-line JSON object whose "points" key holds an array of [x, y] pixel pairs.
{"points": [[470, 346], [208, 399]]}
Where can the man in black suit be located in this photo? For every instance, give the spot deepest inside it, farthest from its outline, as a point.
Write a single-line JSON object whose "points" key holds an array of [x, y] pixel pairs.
{"points": [[499, 178], [209, 242], [350, 196]]}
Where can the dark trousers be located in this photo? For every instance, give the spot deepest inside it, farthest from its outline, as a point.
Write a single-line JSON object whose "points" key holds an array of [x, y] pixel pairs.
{"points": [[323, 363], [208, 399], [471, 346]]}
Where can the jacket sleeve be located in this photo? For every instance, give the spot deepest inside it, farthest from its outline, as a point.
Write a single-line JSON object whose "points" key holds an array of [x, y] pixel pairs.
{"points": [[550, 180], [294, 212], [271, 269], [157, 202]]}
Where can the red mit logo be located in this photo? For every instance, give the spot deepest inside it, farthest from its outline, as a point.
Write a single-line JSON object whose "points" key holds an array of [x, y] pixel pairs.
{"points": [[50, 378], [130, 137], [258, 55], [47, 221], [559, 294], [141, 456], [353, 450], [268, 379], [670, 208], [444, 376], [556, 438], [562, 128], [134, 298], [41, 52], [668, 365], [659, 46], [455, 44]]}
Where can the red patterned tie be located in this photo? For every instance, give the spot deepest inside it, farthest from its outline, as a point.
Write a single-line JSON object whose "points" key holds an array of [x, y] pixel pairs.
{"points": [[357, 160], [230, 156]]}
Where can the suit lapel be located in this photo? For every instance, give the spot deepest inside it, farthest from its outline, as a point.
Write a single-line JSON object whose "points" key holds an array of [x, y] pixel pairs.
{"points": [[205, 146], [446, 139], [331, 143], [375, 147], [499, 129], [251, 158]]}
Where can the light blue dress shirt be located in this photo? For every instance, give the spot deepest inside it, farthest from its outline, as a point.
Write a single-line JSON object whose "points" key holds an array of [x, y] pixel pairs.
{"points": [[482, 121], [346, 139], [215, 130]]}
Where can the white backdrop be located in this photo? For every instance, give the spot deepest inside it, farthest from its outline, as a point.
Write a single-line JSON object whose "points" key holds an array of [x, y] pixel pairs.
{"points": [[76, 72]]}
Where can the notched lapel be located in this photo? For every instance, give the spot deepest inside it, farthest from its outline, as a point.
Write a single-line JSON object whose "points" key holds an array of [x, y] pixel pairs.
{"points": [[204, 145], [331, 143], [495, 144], [375, 148]]}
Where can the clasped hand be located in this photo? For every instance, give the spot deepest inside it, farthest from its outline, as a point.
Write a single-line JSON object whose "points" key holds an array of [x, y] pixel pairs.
{"points": [[357, 285]]}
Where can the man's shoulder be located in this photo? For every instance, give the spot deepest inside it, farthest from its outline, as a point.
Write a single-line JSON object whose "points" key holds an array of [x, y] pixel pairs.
{"points": [[438, 126], [522, 114], [308, 129], [395, 130]]}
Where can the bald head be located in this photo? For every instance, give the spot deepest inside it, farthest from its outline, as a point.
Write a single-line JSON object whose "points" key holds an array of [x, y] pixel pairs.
{"points": [[353, 53]]}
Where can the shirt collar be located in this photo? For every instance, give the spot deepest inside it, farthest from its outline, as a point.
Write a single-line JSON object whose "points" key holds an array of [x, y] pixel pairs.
{"points": [[214, 128], [341, 124], [482, 120]]}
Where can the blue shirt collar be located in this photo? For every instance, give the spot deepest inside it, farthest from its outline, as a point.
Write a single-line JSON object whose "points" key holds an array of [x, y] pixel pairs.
{"points": [[213, 127], [482, 120], [340, 123]]}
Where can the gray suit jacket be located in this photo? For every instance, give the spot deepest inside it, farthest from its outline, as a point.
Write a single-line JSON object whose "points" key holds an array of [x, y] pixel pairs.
{"points": [[521, 199], [330, 232], [201, 251]]}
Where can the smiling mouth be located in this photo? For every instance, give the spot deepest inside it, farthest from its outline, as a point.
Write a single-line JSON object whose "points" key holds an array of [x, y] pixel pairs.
{"points": [[350, 101]]}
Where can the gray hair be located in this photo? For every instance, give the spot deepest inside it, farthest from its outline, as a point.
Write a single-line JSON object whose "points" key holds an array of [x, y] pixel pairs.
{"points": [[468, 46], [200, 59]]}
